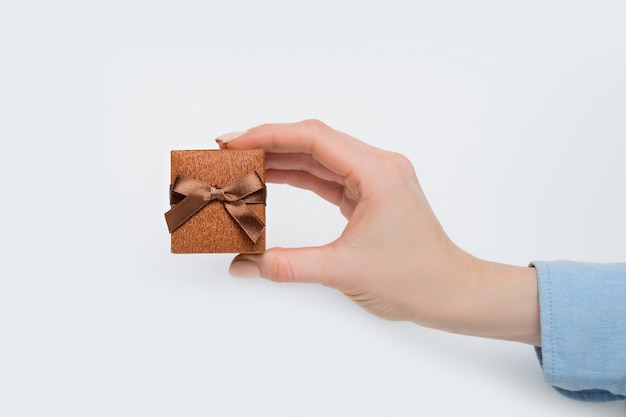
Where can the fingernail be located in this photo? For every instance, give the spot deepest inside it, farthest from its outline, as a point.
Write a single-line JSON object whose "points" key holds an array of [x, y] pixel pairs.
{"points": [[224, 139], [244, 268]]}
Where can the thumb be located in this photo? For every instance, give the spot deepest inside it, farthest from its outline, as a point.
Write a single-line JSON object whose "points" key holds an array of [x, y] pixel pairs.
{"points": [[285, 265]]}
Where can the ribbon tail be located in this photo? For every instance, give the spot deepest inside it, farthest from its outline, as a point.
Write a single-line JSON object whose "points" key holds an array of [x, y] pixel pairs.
{"points": [[249, 222], [183, 211]]}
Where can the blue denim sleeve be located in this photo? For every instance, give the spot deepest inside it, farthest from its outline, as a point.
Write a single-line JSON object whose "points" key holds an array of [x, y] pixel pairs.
{"points": [[583, 328]]}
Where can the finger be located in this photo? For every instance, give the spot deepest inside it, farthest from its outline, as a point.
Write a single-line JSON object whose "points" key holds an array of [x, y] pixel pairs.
{"points": [[328, 190], [300, 162], [335, 150], [309, 265]]}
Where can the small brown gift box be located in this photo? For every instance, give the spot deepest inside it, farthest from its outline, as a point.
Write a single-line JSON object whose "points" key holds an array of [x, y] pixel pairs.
{"points": [[217, 200]]}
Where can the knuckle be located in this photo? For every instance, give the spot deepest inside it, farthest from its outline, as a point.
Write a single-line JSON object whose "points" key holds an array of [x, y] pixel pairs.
{"points": [[401, 161], [396, 163], [315, 124]]}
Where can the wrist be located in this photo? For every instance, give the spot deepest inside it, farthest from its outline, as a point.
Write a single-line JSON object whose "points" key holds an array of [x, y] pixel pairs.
{"points": [[498, 301]]}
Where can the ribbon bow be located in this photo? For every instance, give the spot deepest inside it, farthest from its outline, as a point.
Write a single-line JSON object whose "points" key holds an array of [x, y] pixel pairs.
{"points": [[190, 196]]}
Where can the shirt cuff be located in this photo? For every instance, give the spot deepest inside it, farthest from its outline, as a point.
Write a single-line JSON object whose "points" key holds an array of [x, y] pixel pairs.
{"points": [[583, 328]]}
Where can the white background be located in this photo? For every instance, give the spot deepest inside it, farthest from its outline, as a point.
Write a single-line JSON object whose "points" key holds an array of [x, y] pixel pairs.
{"points": [[512, 113]]}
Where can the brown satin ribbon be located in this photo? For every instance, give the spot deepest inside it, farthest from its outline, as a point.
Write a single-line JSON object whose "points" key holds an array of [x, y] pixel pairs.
{"points": [[190, 196]]}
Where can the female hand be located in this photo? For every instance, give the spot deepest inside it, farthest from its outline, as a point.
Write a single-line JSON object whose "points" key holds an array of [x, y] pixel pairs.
{"points": [[393, 257]]}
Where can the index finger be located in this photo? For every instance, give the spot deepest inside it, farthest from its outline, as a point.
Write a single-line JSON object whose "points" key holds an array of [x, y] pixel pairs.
{"points": [[335, 150]]}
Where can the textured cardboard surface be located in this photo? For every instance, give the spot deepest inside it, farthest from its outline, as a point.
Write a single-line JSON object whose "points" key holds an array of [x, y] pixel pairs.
{"points": [[212, 229]]}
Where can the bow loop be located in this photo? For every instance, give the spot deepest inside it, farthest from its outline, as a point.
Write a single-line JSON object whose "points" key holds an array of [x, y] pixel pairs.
{"points": [[189, 196]]}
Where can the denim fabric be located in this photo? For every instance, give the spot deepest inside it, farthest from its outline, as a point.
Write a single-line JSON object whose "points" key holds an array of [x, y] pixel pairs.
{"points": [[583, 328]]}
